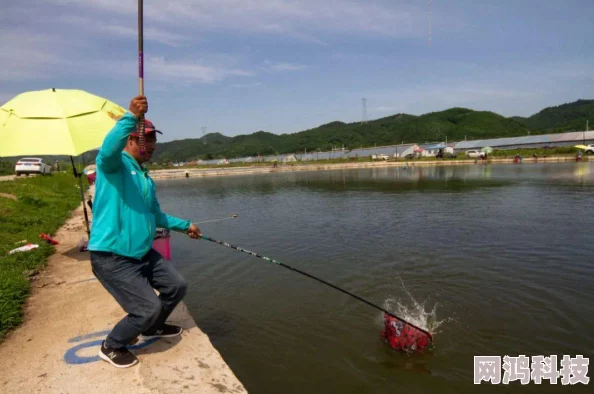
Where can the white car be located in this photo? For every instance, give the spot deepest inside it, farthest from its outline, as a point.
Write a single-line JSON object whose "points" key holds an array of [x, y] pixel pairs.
{"points": [[32, 165], [380, 157], [590, 149], [473, 153]]}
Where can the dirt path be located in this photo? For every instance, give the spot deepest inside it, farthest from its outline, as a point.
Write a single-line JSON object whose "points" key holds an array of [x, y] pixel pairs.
{"points": [[6, 195], [67, 316]]}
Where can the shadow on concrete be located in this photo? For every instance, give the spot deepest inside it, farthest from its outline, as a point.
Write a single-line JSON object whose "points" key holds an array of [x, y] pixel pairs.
{"points": [[77, 255], [165, 344]]}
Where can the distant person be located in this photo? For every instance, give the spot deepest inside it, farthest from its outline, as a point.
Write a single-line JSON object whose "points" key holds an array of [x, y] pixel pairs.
{"points": [[57, 165], [126, 213]]}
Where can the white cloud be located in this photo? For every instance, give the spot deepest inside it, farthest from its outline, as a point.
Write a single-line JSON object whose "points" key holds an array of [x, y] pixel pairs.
{"points": [[151, 33], [297, 18], [189, 72], [245, 85], [26, 55], [279, 67]]}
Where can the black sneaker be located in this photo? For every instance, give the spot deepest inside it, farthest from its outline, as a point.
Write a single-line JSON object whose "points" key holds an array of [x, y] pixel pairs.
{"points": [[118, 357], [166, 331]]}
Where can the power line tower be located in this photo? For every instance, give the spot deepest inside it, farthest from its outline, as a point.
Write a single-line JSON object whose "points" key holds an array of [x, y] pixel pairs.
{"points": [[364, 109], [203, 128]]}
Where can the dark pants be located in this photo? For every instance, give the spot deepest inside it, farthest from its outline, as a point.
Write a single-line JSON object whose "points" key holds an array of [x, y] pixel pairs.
{"points": [[131, 283]]}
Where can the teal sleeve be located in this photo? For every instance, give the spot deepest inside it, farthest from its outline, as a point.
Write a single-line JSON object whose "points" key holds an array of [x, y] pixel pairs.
{"points": [[109, 158]]}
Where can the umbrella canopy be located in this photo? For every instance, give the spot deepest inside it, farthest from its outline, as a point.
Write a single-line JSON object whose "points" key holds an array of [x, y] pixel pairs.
{"points": [[55, 122], [487, 150]]}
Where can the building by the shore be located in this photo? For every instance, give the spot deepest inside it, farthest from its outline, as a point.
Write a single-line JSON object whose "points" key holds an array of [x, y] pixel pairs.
{"points": [[424, 150]]}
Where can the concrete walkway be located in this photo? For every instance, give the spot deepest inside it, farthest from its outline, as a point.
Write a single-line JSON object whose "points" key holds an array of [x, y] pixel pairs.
{"points": [[67, 316]]}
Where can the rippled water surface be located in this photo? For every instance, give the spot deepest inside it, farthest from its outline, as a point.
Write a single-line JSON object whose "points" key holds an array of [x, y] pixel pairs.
{"points": [[502, 255]]}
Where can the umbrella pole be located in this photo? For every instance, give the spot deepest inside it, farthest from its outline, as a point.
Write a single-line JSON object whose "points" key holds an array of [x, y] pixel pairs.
{"points": [[82, 195]]}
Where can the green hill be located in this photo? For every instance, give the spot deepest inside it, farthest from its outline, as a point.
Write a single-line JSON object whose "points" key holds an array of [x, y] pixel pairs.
{"points": [[452, 124], [566, 117]]}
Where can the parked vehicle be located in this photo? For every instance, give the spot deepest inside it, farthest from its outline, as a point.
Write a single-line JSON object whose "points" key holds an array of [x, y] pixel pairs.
{"points": [[590, 149], [380, 157], [473, 153], [32, 165]]}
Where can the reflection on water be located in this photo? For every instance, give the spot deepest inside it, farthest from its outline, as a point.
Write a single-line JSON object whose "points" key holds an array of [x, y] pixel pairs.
{"points": [[498, 257]]}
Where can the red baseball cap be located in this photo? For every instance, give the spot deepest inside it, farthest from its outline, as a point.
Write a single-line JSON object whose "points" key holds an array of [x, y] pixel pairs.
{"points": [[149, 127]]}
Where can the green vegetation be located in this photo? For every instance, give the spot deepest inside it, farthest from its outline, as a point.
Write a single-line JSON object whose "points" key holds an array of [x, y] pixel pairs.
{"points": [[6, 167], [566, 117], [541, 152], [7, 163], [42, 205], [454, 124]]}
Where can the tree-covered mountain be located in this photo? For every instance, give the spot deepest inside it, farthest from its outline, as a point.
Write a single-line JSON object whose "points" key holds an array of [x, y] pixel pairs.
{"points": [[453, 124], [565, 117]]}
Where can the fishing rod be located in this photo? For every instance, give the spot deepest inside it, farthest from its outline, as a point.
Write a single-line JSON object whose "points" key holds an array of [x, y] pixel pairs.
{"points": [[318, 279], [217, 220], [141, 136]]}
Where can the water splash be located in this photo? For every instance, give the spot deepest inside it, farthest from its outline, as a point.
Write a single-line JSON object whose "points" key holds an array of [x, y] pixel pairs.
{"points": [[414, 312]]}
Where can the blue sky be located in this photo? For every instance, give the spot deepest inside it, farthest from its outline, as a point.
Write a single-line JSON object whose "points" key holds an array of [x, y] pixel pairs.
{"points": [[239, 66]]}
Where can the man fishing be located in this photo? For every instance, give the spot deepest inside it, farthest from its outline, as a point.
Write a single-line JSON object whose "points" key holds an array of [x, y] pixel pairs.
{"points": [[126, 213]]}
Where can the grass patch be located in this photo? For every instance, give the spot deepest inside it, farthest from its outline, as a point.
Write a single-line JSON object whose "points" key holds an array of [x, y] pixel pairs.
{"points": [[541, 152], [42, 206]]}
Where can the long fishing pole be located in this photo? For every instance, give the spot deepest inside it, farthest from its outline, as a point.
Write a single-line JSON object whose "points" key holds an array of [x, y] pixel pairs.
{"points": [[318, 279], [216, 220], [141, 136]]}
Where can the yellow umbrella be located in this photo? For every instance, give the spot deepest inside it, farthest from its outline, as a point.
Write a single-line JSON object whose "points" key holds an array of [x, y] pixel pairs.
{"points": [[55, 122]]}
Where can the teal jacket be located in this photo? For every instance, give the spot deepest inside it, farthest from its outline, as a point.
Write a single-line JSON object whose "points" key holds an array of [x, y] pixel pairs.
{"points": [[126, 211]]}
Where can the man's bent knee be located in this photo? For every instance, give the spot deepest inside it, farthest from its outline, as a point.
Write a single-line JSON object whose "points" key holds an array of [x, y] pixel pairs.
{"points": [[150, 313], [181, 288]]}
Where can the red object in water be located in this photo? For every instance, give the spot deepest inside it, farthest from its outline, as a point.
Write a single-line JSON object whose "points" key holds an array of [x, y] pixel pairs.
{"points": [[49, 239], [403, 336]]}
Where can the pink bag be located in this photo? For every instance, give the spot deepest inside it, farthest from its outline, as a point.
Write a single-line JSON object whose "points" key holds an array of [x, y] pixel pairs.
{"points": [[161, 243]]}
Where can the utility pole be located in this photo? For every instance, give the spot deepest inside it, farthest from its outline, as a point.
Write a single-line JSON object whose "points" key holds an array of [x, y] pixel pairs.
{"points": [[364, 110], [203, 134]]}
